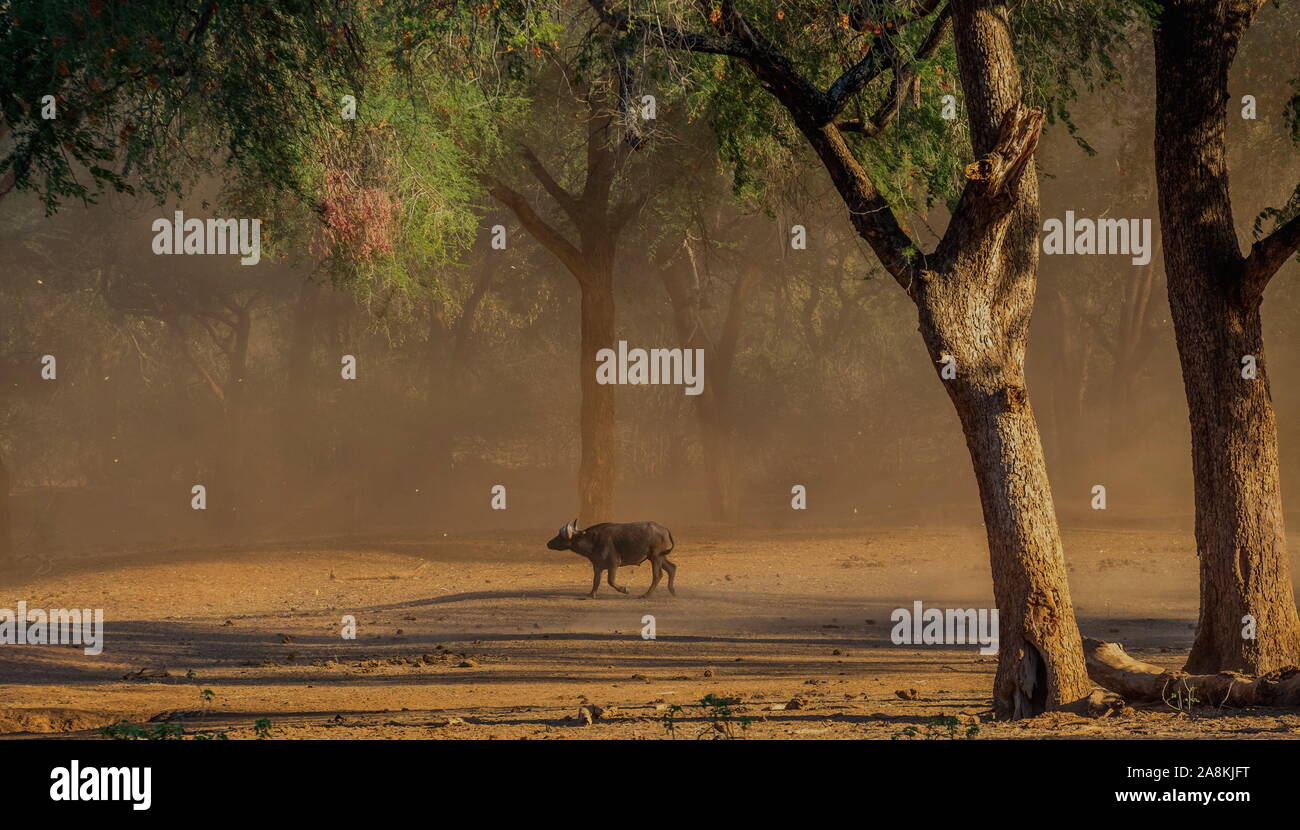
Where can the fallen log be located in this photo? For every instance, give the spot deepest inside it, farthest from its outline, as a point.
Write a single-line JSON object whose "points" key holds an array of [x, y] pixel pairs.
{"points": [[1113, 669]]}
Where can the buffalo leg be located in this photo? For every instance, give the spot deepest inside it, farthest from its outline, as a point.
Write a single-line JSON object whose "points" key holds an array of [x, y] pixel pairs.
{"points": [[595, 581], [612, 571], [658, 574], [672, 574]]}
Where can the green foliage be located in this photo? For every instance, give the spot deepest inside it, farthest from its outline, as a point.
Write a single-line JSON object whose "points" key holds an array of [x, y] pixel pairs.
{"points": [[1182, 696], [169, 730], [917, 159], [719, 714], [1067, 47], [126, 731], [148, 92], [943, 728], [166, 731]]}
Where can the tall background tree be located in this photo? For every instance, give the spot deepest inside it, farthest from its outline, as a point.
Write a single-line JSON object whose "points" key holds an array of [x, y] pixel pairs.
{"points": [[1215, 296]]}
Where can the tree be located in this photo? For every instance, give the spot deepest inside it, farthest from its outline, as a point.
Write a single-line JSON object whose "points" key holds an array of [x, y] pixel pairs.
{"points": [[687, 293], [209, 320], [973, 293], [592, 218], [91, 97], [589, 258], [1215, 296]]}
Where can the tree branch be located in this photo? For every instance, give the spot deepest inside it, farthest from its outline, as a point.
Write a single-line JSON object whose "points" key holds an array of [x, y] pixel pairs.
{"points": [[904, 77], [993, 179], [671, 37], [813, 111], [549, 237], [1268, 255], [566, 200], [603, 162], [213, 387]]}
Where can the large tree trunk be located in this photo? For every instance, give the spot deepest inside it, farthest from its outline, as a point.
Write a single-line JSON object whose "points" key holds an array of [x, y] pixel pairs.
{"points": [[1215, 304], [596, 420], [976, 308], [1240, 538], [976, 311], [1039, 665]]}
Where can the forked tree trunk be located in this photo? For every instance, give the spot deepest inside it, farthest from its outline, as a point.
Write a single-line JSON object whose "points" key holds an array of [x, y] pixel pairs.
{"points": [[974, 296], [976, 307], [1214, 297], [975, 311], [597, 416]]}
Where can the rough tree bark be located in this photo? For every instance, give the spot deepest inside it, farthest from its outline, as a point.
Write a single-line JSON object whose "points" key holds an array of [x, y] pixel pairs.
{"points": [[1214, 296], [974, 295], [590, 260]]}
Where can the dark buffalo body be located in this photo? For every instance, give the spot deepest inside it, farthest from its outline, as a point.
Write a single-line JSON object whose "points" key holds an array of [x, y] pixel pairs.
{"points": [[610, 545]]}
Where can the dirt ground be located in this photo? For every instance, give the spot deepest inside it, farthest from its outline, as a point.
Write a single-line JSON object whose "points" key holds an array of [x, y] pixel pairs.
{"points": [[477, 636]]}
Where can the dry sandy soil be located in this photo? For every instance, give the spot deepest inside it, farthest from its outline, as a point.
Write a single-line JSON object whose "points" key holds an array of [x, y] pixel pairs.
{"points": [[491, 637]]}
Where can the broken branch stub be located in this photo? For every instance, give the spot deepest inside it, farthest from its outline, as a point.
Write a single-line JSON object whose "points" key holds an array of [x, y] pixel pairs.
{"points": [[1018, 138]]}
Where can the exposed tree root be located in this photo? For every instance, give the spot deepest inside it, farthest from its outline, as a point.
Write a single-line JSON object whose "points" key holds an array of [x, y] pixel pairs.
{"points": [[1138, 682]]}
